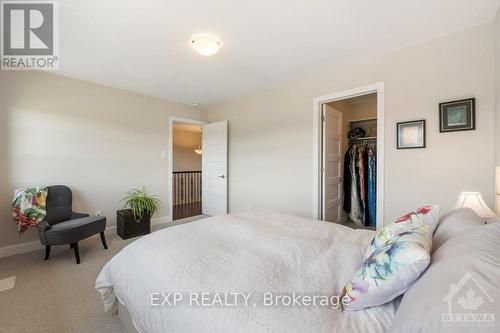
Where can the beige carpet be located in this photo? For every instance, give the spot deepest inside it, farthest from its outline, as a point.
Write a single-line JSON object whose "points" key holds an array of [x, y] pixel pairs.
{"points": [[57, 295]]}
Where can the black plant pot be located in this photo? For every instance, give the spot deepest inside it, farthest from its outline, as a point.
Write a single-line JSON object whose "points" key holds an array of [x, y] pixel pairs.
{"points": [[128, 227]]}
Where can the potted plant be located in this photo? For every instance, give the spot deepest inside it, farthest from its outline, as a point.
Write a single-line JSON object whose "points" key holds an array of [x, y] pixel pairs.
{"points": [[135, 219]]}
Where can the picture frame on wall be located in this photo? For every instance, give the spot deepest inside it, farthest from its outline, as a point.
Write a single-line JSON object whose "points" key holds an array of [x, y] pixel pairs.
{"points": [[411, 134], [457, 115]]}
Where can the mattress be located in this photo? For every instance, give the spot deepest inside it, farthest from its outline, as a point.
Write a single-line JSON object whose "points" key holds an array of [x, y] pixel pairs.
{"points": [[270, 257]]}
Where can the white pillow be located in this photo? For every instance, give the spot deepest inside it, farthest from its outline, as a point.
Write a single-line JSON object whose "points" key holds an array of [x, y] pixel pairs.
{"points": [[453, 223], [398, 255], [460, 283]]}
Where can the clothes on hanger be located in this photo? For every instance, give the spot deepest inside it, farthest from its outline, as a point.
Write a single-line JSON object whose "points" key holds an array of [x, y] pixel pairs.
{"points": [[347, 182], [356, 212], [372, 186], [360, 183]]}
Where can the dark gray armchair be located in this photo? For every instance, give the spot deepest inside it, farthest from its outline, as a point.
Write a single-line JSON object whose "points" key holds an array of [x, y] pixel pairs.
{"points": [[62, 226]]}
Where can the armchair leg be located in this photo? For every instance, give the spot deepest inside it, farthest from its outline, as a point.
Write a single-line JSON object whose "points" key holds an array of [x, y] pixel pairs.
{"points": [[77, 252], [47, 252], [103, 240]]}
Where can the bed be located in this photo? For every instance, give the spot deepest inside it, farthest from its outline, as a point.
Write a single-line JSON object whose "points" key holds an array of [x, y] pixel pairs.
{"points": [[258, 252]]}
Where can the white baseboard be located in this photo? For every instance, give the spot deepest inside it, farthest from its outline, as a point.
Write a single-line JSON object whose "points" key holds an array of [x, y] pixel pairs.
{"points": [[26, 247], [161, 220], [12, 250]]}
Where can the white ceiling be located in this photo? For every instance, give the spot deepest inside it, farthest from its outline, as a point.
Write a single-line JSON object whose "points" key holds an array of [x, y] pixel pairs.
{"points": [[144, 46]]}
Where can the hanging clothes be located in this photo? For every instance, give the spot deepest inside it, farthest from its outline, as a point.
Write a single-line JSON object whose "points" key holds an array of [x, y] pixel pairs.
{"points": [[372, 186], [360, 184], [347, 182], [356, 214], [362, 177]]}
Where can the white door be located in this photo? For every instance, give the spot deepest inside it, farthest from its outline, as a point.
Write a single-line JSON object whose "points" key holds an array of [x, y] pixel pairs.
{"points": [[332, 164], [214, 169]]}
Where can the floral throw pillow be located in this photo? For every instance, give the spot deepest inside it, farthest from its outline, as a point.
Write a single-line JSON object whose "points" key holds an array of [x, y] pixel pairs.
{"points": [[427, 215], [397, 256]]}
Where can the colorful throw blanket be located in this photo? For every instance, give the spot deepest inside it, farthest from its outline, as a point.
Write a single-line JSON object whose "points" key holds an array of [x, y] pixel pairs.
{"points": [[28, 207]]}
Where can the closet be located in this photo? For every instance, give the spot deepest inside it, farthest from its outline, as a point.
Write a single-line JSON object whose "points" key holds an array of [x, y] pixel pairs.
{"points": [[360, 173], [350, 161]]}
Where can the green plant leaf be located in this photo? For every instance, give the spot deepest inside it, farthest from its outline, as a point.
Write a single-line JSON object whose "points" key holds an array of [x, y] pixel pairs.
{"points": [[141, 203]]}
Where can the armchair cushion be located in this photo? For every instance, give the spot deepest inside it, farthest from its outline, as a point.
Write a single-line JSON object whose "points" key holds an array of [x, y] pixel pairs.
{"points": [[78, 215], [58, 205], [72, 231], [43, 226]]}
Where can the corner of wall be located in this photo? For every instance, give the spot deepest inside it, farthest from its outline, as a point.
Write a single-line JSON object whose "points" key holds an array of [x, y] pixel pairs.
{"points": [[205, 112], [496, 37]]}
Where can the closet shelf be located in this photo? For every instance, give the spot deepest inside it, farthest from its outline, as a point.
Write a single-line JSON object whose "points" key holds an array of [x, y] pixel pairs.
{"points": [[365, 138], [362, 120]]}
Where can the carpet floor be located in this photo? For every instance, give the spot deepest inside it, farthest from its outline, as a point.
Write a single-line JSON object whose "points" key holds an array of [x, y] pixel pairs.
{"points": [[57, 295]]}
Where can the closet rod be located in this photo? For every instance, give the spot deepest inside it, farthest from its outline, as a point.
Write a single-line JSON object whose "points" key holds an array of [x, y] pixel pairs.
{"points": [[365, 138]]}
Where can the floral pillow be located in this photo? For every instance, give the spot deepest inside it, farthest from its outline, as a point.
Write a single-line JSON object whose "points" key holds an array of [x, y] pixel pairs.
{"points": [[397, 256], [427, 215]]}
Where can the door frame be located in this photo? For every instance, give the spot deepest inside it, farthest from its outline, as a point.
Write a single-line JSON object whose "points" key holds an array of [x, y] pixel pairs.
{"points": [[379, 89], [171, 121]]}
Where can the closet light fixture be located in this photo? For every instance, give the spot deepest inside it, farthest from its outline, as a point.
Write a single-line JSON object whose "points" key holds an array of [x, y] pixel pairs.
{"points": [[206, 45]]}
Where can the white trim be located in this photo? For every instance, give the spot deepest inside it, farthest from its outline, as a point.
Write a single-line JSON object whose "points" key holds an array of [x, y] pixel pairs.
{"points": [[161, 220], [110, 228], [12, 250], [170, 154], [26, 247], [378, 88]]}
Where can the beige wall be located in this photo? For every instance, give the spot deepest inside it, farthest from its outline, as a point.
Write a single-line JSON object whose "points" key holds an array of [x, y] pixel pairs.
{"points": [[99, 141], [271, 133], [185, 142], [364, 107], [497, 99]]}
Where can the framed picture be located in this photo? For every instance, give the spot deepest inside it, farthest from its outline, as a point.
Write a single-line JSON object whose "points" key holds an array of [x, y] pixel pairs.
{"points": [[457, 115], [411, 134]]}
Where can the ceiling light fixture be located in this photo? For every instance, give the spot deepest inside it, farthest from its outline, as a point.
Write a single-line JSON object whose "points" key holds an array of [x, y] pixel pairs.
{"points": [[199, 151], [206, 45]]}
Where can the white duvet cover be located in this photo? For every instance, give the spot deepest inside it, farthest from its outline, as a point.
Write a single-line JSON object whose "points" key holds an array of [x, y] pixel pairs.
{"points": [[255, 252]]}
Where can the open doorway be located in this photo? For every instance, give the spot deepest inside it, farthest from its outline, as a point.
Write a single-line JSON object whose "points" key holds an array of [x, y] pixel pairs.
{"points": [[186, 175], [349, 154], [198, 174], [350, 161]]}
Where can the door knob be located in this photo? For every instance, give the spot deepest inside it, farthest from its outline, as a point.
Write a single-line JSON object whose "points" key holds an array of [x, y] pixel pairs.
{"points": [[222, 176], [341, 180]]}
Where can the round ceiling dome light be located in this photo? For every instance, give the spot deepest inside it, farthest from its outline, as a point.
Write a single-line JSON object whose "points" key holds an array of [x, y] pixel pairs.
{"points": [[206, 45]]}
